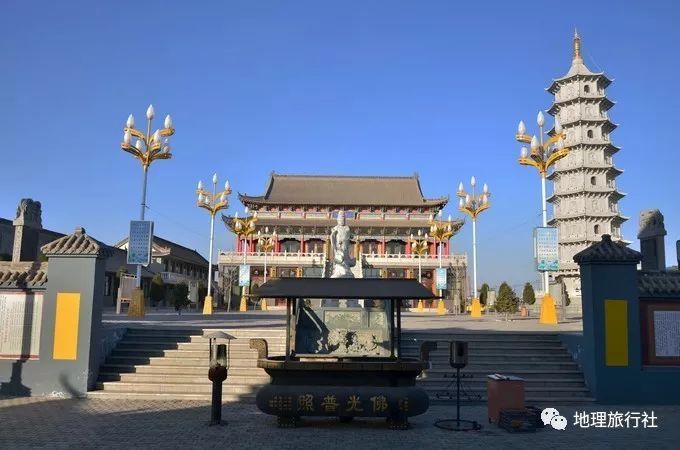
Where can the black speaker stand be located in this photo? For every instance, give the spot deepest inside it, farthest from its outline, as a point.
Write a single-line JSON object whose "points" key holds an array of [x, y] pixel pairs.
{"points": [[458, 424]]}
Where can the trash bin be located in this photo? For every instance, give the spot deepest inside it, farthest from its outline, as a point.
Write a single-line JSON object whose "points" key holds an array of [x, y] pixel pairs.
{"points": [[503, 392]]}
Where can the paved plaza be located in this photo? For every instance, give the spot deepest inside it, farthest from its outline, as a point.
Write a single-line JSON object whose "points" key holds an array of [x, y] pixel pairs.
{"points": [[411, 321], [31, 423]]}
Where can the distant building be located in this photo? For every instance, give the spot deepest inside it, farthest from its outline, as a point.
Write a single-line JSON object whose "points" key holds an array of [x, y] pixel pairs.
{"points": [[585, 193], [175, 263], [21, 239], [382, 212]]}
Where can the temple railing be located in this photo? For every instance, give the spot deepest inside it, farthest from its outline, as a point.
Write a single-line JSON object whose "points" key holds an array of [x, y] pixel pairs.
{"points": [[273, 258], [395, 260], [318, 259]]}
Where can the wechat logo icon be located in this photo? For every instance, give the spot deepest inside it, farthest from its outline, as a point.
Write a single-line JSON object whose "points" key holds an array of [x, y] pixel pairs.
{"points": [[551, 416]]}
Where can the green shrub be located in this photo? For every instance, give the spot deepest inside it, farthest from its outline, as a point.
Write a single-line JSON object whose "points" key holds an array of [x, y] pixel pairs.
{"points": [[157, 290], [528, 294], [507, 302], [483, 294], [180, 297]]}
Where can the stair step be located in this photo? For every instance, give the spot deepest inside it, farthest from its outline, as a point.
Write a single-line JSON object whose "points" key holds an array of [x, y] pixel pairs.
{"points": [[510, 366], [168, 361], [492, 357], [176, 353], [438, 373], [262, 378], [167, 396], [486, 343], [181, 388], [235, 345], [177, 370], [447, 383], [533, 400], [529, 391]]}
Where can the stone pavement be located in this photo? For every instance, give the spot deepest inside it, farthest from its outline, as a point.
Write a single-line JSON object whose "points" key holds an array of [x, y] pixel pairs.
{"points": [[90, 423], [411, 321]]}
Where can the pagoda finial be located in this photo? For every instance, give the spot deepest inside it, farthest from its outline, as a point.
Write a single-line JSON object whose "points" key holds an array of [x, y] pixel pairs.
{"points": [[577, 47]]}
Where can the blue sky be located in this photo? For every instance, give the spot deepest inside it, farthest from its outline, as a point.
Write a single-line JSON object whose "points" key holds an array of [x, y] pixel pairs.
{"points": [[351, 87]]}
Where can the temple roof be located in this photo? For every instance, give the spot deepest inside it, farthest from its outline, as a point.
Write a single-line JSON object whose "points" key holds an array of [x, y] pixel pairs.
{"points": [[659, 284], [163, 247], [78, 243], [23, 275], [338, 190], [608, 251]]}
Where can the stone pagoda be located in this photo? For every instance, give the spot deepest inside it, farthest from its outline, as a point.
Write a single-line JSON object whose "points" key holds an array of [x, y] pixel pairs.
{"points": [[585, 195]]}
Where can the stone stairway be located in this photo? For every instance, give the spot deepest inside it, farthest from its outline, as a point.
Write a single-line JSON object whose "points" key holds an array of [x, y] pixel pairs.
{"points": [[551, 376], [172, 364]]}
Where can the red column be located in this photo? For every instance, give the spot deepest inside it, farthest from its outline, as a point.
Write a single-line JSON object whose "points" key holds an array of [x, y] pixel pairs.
{"points": [[433, 248], [277, 246], [408, 246], [238, 244], [302, 243]]}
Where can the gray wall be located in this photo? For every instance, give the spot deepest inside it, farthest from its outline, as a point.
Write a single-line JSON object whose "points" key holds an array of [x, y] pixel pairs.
{"points": [[67, 378]]}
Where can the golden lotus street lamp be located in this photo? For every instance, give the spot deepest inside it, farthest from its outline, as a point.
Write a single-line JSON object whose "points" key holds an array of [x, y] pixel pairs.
{"points": [[244, 229], [442, 231], [473, 205], [419, 247], [542, 156], [266, 244], [147, 148], [212, 202]]}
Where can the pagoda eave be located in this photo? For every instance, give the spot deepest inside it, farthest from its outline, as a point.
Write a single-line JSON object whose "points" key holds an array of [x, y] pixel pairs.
{"points": [[554, 86], [605, 103]]}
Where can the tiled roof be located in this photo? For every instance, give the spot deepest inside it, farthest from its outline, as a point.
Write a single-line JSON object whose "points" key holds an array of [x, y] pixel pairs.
{"points": [[343, 191], [607, 251], [171, 248], [181, 252], [78, 243], [659, 284], [23, 275]]}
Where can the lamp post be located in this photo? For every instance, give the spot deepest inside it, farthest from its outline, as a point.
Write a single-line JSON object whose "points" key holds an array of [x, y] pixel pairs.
{"points": [[244, 229], [442, 231], [542, 156], [266, 244], [419, 247], [148, 147], [212, 202], [218, 371], [473, 204]]}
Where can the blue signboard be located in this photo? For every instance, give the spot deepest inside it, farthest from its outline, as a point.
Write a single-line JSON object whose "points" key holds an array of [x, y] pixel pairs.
{"points": [[545, 249], [139, 242], [441, 278], [244, 275]]}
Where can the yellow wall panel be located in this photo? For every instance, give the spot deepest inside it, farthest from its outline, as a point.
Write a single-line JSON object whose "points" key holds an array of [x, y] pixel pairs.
{"points": [[616, 332], [66, 326]]}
